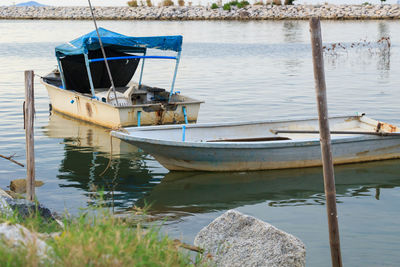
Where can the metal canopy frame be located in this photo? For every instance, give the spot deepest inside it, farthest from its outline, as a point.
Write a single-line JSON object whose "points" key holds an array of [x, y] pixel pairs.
{"points": [[88, 61]]}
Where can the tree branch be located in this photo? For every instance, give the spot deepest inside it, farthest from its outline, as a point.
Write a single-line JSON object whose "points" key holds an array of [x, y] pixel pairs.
{"points": [[10, 159]]}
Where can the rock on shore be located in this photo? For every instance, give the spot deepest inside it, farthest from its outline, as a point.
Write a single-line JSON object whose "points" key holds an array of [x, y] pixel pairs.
{"points": [[234, 239], [251, 12], [18, 235]]}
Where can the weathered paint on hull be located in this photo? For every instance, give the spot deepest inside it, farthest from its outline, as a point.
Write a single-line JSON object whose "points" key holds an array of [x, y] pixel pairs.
{"points": [[305, 155], [249, 146], [87, 109]]}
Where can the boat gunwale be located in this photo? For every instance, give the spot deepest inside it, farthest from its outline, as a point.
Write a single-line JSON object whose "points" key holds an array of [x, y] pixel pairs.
{"points": [[123, 107], [237, 123], [239, 145]]}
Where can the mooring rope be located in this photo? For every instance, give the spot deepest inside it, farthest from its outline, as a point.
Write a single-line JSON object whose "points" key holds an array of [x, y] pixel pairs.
{"points": [[110, 159]]}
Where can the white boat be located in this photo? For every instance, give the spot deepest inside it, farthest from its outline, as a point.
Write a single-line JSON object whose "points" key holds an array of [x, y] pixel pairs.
{"points": [[81, 87], [263, 145]]}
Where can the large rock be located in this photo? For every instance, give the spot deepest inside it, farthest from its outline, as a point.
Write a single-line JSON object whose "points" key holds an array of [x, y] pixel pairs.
{"points": [[234, 239], [25, 208], [4, 206], [18, 235]]}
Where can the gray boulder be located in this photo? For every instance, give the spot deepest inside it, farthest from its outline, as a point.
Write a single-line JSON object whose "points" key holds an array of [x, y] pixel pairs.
{"points": [[17, 235], [235, 239], [25, 208]]}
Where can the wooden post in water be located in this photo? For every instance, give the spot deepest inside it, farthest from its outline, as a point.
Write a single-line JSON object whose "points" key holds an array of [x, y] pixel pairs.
{"points": [[329, 178], [29, 113]]}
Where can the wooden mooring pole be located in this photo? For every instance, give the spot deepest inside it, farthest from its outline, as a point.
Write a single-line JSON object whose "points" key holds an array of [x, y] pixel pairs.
{"points": [[29, 113], [329, 178]]}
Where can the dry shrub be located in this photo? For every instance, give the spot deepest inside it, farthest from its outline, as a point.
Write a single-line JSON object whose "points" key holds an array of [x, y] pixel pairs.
{"points": [[276, 2], [181, 2], [132, 3], [149, 3], [167, 3]]}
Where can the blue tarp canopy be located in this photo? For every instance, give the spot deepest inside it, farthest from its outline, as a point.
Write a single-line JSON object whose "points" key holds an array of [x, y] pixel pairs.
{"points": [[118, 42]]}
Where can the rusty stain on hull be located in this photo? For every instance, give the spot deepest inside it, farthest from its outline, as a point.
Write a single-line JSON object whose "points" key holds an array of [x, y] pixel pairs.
{"points": [[89, 109], [386, 127]]}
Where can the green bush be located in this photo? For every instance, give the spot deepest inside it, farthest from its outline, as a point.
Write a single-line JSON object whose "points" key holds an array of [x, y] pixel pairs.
{"points": [[214, 6], [236, 3], [242, 4], [227, 6], [233, 3]]}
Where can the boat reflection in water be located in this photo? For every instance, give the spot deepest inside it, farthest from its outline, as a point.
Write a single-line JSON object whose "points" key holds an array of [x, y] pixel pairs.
{"points": [[82, 134], [185, 193], [127, 175]]}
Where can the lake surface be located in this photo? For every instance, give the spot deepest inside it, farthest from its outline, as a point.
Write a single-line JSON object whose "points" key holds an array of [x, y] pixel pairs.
{"points": [[244, 71]]}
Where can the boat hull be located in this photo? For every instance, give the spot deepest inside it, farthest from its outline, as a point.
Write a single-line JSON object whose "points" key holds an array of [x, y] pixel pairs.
{"points": [[303, 154], [251, 156], [85, 108]]}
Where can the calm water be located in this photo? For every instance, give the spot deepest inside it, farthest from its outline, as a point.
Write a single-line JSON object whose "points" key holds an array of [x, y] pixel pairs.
{"points": [[244, 71]]}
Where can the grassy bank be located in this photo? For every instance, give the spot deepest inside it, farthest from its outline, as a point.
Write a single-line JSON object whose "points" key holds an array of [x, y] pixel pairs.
{"points": [[95, 238]]}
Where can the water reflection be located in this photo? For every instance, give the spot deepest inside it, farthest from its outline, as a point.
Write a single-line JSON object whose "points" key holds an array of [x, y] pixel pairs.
{"points": [[383, 29], [82, 134], [123, 181], [196, 192], [359, 54], [292, 31], [87, 164]]}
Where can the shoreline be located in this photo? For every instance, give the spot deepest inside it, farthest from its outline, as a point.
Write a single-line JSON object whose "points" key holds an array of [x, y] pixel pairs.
{"points": [[251, 12]]}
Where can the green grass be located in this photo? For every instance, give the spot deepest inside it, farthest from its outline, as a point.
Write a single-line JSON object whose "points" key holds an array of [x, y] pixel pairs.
{"points": [[96, 238], [34, 222]]}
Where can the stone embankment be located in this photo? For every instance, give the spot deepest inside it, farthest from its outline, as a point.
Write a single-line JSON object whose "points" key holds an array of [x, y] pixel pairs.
{"points": [[251, 12]]}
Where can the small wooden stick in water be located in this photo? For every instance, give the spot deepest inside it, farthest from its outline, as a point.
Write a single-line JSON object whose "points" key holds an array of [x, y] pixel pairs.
{"points": [[187, 246], [10, 159]]}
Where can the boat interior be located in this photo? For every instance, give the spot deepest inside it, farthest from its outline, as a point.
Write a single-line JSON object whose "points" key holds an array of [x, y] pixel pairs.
{"points": [[130, 95], [348, 126]]}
